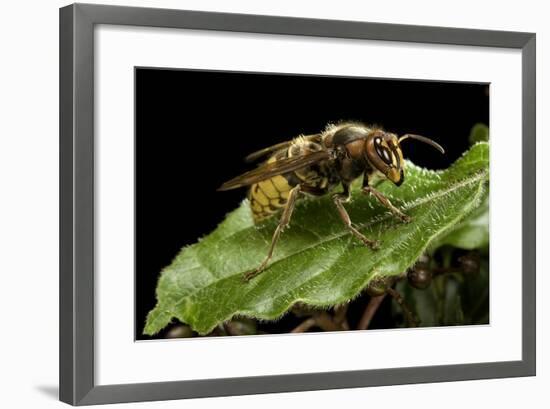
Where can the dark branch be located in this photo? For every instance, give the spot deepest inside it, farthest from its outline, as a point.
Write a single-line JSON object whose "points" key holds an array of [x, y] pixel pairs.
{"points": [[370, 310], [409, 317]]}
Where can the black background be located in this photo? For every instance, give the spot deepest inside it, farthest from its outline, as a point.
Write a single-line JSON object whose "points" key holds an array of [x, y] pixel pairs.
{"points": [[193, 129]]}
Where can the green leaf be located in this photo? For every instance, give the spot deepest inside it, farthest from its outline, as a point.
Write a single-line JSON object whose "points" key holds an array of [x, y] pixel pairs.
{"points": [[471, 233], [316, 262], [479, 133]]}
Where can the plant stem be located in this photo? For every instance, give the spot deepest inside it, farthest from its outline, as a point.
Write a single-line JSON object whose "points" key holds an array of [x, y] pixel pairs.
{"points": [[322, 320], [411, 320], [340, 316], [305, 325], [325, 322], [370, 310]]}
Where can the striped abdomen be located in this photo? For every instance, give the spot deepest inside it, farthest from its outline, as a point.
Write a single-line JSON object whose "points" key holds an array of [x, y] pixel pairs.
{"points": [[268, 196]]}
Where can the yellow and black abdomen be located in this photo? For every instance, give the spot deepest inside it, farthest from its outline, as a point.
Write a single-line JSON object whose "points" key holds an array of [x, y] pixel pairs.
{"points": [[268, 196]]}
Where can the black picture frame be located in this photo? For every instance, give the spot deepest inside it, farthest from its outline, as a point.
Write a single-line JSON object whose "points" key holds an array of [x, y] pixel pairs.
{"points": [[77, 21]]}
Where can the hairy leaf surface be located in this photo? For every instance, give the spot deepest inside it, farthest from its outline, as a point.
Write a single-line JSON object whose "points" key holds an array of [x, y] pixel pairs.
{"points": [[317, 262]]}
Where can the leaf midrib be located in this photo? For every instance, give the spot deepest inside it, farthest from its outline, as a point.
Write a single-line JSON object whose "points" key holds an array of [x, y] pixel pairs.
{"points": [[370, 277], [286, 306], [378, 219]]}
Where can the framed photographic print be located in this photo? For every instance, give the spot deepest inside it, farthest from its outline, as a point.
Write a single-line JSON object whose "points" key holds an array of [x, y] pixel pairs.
{"points": [[234, 184]]}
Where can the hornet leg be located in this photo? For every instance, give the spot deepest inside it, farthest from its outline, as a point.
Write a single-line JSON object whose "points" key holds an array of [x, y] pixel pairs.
{"points": [[283, 223], [386, 203], [339, 200]]}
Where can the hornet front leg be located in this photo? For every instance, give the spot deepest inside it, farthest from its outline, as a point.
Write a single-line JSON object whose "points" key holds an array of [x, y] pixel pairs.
{"points": [[384, 201]]}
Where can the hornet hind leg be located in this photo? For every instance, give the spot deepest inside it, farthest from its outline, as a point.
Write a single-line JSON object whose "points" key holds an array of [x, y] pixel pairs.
{"points": [[283, 223]]}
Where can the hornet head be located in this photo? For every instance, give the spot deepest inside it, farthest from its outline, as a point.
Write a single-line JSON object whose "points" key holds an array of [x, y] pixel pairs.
{"points": [[383, 151]]}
